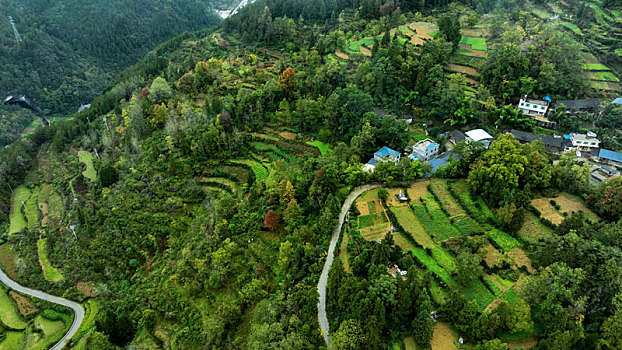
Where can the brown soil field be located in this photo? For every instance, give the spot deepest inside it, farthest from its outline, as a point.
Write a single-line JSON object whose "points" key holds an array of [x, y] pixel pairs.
{"points": [[588, 58], [417, 190], [375, 232], [463, 69], [7, 260], [288, 135], [343, 251], [547, 210], [23, 304], [519, 257], [613, 86], [443, 338], [472, 81], [365, 51], [567, 202], [339, 53], [43, 207], [87, 289], [527, 344], [492, 255], [475, 32], [421, 33]]}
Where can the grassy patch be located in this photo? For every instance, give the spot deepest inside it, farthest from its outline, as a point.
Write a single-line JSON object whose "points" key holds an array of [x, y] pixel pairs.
{"points": [[475, 43], [619, 52], [595, 66], [412, 225], [8, 315], [496, 291], [91, 309], [533, 228], [511, 296], [18, 222], [504, 282], [439, 189], [431, 265], [476, 290], [572, 27], [49, 272], [12, 341], [261, 173], [87, 159], [446, 260], [371, 220], [503, 240], [434, 219], [32, 211], [324, 148], [604, 76]]}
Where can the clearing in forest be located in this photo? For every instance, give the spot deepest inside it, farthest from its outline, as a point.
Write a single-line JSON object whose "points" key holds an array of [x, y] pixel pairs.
{"points": [[469, 71], [420, 32], [31, 210], [24, 306], [568, 204], [533, 228], [18, 221], [50, 273], [7, 260], [87, 159], [444, 338]]}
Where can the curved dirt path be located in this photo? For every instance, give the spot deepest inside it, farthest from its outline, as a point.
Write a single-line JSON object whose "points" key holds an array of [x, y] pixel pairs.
{"points": [[321, 285], [77, 308]]}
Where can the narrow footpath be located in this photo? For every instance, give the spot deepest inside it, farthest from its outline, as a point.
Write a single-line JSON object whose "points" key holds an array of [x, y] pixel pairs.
{"points": [[77, 308], [321, 285]]}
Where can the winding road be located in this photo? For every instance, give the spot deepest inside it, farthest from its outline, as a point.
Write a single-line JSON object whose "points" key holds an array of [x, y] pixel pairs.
{"points": [[321, 285], [77, 308]]}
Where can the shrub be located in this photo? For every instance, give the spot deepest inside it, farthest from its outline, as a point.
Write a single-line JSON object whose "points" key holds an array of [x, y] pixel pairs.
{"points": [[553, 202]]}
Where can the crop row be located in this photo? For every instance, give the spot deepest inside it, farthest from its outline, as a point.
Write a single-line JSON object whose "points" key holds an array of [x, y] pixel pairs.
{"points": [[431, 265], [503, 240]]}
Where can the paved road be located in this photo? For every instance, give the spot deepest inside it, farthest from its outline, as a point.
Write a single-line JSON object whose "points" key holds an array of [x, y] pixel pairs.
{"points": [[77, 308], [321, 285]]}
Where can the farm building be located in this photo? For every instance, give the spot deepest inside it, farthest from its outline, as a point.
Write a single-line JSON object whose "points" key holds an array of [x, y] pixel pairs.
{"points": [[457, 136], [617, 101], [439, 162], [479, 135], [579, 106], [603, 173], [610, 157], [424, 150], [551, 144]]}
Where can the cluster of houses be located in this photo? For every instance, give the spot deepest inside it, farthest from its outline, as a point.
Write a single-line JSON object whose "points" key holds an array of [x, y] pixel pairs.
{"points": [[605, 164]]}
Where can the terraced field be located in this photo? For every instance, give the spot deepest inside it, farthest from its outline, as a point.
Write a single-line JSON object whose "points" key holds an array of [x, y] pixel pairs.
{"points": [[8, 314], [50, 272], [18, 221], [87, 159]]}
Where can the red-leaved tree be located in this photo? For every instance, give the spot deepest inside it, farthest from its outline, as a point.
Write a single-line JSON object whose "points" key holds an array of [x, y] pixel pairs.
{"points": [[271, 220]]}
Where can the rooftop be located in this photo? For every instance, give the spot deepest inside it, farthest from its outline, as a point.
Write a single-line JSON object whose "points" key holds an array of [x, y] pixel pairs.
{"points": [[610, 155], [386, 151], [426, 144], [529, 137], [579, 104], [581, 137], [535, 100], [478, 135], [618, 101], [457, 135]]}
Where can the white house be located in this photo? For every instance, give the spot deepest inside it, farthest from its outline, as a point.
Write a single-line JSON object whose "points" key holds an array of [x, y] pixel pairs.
{"points": [[584, 142], [385, 154], [425, 150], [533, 107], [479, 135]]}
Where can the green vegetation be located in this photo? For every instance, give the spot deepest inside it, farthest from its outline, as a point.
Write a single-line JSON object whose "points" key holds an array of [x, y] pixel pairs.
{"points": [[444, 259], [8, 314], [596, 67], [572, 27], [412, 225], [18, 222], [31, 210], [503, 240], [50, 272], [13, 340], [476, 290], [324, 148], [371, 220], [475, 43], [86, 158], [430, 264]]}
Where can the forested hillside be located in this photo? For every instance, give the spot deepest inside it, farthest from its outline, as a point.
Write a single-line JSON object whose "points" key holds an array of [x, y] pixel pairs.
{"points": [[72, 49], [192, 207]]}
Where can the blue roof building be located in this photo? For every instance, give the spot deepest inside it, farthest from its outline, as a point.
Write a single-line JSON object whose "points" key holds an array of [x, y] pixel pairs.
{"points": [[424, 150], [617, 101], [611, 157], [386, 153]]}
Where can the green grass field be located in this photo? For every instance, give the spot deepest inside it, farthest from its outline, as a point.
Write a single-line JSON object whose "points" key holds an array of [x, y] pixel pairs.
{"points": [[52, 332], [261, 173], [371, 220], [434, 219], [49, 272], [91, 309], [13, 341], [324, 148], [430, 264], [475, 43], [619, 52], [411, 224], [87, 158], [31, 210], [446, 260], [18, 221], [8, 314], [572, 27], [533, 228], [503, 240], [476, 290], [596, 67], [605, 76], [510, 296]]}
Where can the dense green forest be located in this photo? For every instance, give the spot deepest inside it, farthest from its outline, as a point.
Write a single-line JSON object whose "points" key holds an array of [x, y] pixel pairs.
{"points": [[192, 206], [71, 50]]}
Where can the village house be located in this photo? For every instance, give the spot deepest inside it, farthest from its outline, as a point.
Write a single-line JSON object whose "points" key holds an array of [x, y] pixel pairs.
{"points": [[606, 156], [589, 105], [479, 135], [537, 109], [551, 144], [424, 150], [583, 142], [457, 136], [602, 173], [385, 154]]}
